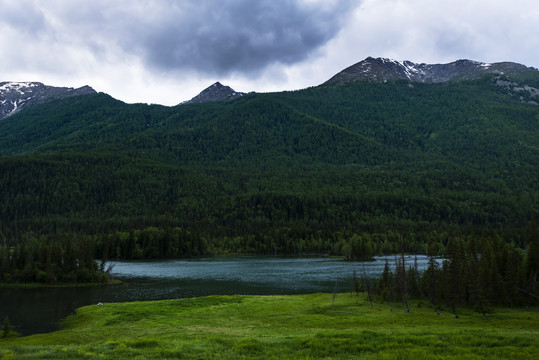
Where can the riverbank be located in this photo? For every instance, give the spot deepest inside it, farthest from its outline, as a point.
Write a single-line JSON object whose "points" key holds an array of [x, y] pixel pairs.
{"points": [[291, 326]]}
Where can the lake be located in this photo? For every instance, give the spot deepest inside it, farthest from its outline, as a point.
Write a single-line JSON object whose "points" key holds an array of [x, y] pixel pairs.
{"points": [[39, 310]]}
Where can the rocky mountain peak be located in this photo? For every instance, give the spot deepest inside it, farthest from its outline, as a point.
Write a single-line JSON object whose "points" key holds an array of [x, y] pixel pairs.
{"points": [[382, 69], [14, 96], [216, 92]]}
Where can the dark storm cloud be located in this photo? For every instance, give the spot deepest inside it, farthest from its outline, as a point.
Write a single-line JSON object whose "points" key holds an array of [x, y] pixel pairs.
{"points": [[165, 51], [224, 37]]}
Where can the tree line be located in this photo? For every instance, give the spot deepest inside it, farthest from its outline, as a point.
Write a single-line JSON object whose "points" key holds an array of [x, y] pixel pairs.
{"points": [[52, 260], [478, 272], [504, 266]]}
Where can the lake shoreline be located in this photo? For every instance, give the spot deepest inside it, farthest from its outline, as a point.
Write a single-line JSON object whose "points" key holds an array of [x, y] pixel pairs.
{"points": [[37, 309], [58, 285]]}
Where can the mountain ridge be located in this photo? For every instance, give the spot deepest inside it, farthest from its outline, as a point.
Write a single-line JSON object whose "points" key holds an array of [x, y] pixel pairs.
{"points": [[15, 96], [383, 69]]}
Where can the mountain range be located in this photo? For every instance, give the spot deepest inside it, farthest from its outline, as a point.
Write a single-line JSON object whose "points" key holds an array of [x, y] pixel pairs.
{"points": [[383, 70], [14, 96], [383, 147]]}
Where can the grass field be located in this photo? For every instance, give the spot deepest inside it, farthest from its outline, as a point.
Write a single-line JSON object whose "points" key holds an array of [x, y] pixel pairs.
{"points": [[281, 327]]}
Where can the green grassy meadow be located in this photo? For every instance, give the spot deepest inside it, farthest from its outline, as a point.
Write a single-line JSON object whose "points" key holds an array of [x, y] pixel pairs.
{"points": [[277, 327]]}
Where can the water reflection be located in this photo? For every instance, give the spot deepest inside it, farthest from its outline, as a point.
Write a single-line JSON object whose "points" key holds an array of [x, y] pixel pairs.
{"points": [[39, 310]]}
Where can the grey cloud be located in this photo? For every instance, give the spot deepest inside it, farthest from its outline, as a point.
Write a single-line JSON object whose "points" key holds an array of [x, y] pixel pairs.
{"points": [[211, 37], [22, 17], [223, 37]]}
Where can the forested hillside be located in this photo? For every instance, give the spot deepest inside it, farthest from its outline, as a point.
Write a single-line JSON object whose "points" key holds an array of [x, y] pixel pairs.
{"points": [[350, 168]]}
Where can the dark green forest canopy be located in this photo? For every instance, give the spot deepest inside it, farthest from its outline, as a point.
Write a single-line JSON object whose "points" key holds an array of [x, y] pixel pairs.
{"points": [[266, 172]]}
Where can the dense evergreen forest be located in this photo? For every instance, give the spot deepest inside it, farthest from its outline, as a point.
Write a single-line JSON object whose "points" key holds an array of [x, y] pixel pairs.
{"points": [[355, 170], [52, 260], [479, 272]]}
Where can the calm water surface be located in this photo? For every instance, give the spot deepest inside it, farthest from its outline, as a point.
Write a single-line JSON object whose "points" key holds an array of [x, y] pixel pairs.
{"points": [[39, 310]]}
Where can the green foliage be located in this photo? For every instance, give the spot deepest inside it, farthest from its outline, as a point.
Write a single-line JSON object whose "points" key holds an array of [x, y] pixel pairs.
{"points": [[7, 331], [472, 274], [6, 328], [51, 259], [344, 170]]}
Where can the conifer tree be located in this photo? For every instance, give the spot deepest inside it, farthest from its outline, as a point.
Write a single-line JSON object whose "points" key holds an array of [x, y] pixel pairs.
{"points": [[4, 261], [366, 280], [475, 289], [430, 273], [513, 268], [385, 284], [455, 273], [488, 271], [403, 278], [532, 259], [6, 329]]}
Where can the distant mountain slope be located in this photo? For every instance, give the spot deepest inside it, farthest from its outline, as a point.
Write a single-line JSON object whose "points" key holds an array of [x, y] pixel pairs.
{"points": [[394, 120], [255, 128], [15, 96]]}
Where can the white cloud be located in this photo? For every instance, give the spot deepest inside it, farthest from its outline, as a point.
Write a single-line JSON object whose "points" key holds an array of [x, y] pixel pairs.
{"points": [[430, 31]]}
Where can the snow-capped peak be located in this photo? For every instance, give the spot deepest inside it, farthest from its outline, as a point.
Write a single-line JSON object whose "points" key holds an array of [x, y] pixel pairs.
{"points": [[5, 86]]}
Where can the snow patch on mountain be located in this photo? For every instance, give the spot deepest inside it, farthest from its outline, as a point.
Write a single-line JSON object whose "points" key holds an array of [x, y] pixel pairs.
{"points": [[15, 96], [383, 69]]}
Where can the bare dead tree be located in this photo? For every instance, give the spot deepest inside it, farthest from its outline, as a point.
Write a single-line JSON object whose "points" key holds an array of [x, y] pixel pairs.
{"points": [[527, 293], [110, 267]]}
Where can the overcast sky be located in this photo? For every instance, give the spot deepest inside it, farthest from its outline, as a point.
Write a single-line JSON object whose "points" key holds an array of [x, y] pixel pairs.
{"points": [[167, 51]]}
